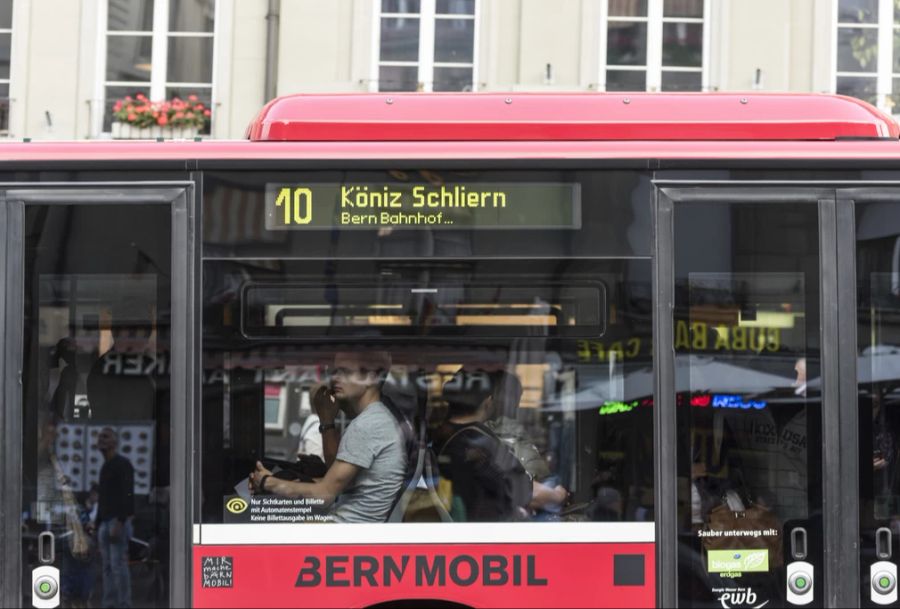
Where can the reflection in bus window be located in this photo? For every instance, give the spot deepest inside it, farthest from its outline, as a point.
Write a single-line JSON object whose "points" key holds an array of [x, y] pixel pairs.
{"points": [[559, 328], [748, 395]]}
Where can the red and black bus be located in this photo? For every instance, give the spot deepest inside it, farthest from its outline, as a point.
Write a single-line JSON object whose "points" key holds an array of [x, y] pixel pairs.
{"points": [[692, 300]]}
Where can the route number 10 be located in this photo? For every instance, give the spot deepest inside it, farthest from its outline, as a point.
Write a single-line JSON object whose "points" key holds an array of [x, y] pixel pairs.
{"points": [[297, 205]]}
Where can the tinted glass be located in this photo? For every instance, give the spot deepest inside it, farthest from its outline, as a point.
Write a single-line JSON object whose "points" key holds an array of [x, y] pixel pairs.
{"points": [[5, 47], [398, 78], [96, 400], [192, 15], [877, 233], [6, 14], [748, 398], [626, 44], [683, 8], [454, 40], [4, 107], [130, 15], [452, 79], [628, 8], [128, 58], [190, 59], [552, 325], [683, 45], [864, 88], [682, 81], [626, 80], [858, 11], [400, 6], [399, 39], [455, 7], [857, 50]]}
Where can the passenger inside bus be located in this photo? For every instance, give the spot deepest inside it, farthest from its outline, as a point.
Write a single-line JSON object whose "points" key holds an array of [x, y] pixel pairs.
{"points": [[368, 463], [488, 482], [547, 496]]}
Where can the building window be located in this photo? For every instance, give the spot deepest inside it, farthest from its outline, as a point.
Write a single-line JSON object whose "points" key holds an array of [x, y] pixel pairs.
{"points": [[5, 52], [426, 45], [867, 63], [158, 48], [655, 45]]}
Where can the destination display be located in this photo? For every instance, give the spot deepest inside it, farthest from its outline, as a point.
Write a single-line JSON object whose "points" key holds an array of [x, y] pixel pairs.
{"points": [[459, 205]]}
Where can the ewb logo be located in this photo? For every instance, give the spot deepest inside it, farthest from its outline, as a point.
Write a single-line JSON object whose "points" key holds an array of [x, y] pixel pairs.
{"points": [[236, 505]]}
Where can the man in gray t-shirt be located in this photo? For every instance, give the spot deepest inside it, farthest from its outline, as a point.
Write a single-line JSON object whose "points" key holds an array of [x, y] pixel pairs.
{"points": [[367, 466]]}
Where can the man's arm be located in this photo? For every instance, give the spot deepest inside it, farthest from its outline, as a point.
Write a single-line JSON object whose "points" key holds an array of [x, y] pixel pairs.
{"points": [[339, 475]]}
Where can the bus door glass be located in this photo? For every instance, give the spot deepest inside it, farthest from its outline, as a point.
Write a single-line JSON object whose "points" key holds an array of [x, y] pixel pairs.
{"points": [[748, 387], [464, 355], [878, 383], [94, 317]]}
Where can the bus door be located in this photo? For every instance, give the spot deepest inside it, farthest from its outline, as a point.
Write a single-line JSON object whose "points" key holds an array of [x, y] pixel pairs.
{"points": [[96, 296], [742, 384], [872, 246]]}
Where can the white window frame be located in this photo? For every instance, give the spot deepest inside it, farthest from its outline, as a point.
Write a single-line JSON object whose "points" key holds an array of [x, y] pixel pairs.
{"points": [[654, 68], [158, 84], [427, 17], [8, 81], [884, 74]]}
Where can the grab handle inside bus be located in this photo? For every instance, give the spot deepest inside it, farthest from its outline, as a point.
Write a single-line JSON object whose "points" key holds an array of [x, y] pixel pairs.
{"points": [[798, 543], [883, 543], [46, 548]]}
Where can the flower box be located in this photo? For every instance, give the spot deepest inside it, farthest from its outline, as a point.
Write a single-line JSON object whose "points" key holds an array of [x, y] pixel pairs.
{"points": [[127, 131]]}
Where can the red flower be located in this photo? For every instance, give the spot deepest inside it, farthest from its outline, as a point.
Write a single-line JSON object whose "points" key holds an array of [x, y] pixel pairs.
{"points": [[207, 113], [192, 98], [162, 121], [132, 117]]}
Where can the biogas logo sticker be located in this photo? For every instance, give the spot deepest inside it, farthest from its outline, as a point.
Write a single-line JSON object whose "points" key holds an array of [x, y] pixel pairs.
{"points": [[738, 561], [236, 505]]}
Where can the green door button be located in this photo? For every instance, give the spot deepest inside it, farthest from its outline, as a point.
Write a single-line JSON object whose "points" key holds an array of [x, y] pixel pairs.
{"points": [[884, 582], [46, 587], [800, 583]]}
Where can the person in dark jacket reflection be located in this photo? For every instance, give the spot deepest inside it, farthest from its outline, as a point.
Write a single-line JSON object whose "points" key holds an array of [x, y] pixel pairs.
{"points": [[115, 511]]}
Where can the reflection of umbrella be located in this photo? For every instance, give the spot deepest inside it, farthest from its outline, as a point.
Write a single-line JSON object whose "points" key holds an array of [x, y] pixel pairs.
{"points": [[693, 373], [878, 364]]}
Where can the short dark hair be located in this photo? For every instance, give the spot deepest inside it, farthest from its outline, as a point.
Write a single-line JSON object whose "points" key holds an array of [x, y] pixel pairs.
{"points": [[466, 391]]}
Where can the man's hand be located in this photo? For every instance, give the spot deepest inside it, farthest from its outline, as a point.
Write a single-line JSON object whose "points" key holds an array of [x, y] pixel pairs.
{"points": [[256, 477], [324, 404]]}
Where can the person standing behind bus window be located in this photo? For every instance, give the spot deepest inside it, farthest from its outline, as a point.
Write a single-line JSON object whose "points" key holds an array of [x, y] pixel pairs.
{"points": [[547, 494], [367, 465], [489, 484], [114, 513]]}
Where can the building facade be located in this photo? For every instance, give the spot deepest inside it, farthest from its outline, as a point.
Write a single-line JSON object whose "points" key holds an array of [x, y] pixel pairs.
{"points": [[64, 63]]}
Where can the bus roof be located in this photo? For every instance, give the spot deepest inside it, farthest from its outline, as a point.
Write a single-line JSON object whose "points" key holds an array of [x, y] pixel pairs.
{"points": [[569, 116]]}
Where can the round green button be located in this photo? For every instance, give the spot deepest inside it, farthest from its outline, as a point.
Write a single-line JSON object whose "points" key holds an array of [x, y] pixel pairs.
{"points": [[801, 582], [45, 587], [884, 582]]}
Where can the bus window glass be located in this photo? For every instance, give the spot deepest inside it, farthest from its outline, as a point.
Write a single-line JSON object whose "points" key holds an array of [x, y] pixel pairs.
{"points": [[457, 377]]}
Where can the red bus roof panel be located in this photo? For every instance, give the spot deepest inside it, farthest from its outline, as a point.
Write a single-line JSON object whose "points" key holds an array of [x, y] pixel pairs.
{"points": [[569, 116]]}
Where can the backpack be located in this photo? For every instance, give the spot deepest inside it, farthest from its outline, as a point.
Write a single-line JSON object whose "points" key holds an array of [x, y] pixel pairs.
{"points": [[517, 485]]}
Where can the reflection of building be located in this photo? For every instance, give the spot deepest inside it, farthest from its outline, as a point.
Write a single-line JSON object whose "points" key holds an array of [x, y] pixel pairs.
{"points": [[237, 54]]}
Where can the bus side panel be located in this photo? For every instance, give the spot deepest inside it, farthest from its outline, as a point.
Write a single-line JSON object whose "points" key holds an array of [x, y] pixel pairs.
{"points": [[483, 575]]}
